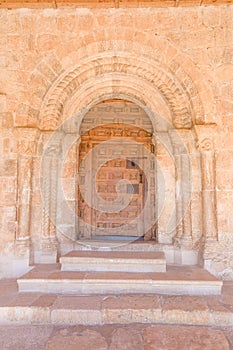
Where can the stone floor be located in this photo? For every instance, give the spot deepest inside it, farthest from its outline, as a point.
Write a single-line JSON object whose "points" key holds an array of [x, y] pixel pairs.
{"points": [[115, 337], [39, 321], [89, 310]]}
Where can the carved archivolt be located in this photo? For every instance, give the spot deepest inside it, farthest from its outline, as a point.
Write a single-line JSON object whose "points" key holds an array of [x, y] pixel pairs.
{"points": [[125, 66]]}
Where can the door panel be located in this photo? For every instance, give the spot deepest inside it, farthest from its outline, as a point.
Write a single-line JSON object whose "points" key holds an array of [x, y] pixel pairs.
{"points": [[130, 196], [110, 180]]}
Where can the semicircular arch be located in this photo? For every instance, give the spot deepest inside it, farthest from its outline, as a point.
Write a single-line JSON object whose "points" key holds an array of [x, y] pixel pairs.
{"points": [[96, 68]]}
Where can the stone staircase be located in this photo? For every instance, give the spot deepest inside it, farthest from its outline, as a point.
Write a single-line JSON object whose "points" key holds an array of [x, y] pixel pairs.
{"points": [[93, 272], [116, 285], [18, 308]]}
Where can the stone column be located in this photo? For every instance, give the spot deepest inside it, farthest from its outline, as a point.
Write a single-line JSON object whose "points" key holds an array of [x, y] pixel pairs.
{"points": [[153, 187], [24, 197], [77, 233], [186, 238], [179, 206], [26, 148], [183, 236], [49, 183], [208, 191], [185, 252], [147, 165], [48, 239]]}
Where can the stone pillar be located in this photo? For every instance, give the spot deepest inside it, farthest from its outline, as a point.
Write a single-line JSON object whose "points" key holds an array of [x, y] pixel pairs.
{"points": [[48, 251], [154, 189], [24, 197], [186, 239], [183, 236], [67, 206], [184, 252], [49, 182], [179, 206], [208, 191], [26, 148], [209, 206], [163, 140], [147, 162], [77, 233]]}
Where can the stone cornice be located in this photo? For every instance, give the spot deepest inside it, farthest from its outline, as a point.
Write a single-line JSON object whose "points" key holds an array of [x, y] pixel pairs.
{"points": [[11, 4]]}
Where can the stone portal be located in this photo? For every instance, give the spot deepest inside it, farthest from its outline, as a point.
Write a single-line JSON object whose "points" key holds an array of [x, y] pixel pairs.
{"points": [[116, 173]]}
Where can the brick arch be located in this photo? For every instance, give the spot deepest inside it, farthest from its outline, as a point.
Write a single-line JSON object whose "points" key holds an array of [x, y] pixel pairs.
{"points": [[125, 65]]}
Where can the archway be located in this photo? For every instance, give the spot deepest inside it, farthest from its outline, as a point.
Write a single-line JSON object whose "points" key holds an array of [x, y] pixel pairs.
{"points": [[116, 173], [174, 113]]}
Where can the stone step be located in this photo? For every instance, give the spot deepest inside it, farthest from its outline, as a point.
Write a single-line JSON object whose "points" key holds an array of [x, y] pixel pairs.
{"points": [[113, 261], [56, 309], [176, 281], [173, 254]]}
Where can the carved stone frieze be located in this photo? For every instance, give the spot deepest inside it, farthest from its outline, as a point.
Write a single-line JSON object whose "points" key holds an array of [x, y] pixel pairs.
{"points": [[118, 130], [168, 86]]}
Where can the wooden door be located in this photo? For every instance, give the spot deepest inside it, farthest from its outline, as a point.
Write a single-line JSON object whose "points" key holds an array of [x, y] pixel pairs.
{"points": [[125, 204], [116, 187]]}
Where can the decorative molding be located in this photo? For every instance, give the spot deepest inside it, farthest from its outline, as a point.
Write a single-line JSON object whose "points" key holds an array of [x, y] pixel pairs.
{"points": [[127, 65]]}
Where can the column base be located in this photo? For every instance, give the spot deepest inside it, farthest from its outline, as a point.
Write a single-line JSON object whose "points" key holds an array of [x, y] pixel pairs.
{"points": [[210, 249], [15, 261], [47, 252]]}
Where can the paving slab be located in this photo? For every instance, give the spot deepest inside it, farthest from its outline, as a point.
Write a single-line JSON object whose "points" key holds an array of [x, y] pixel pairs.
{"points": [[115, 337]]}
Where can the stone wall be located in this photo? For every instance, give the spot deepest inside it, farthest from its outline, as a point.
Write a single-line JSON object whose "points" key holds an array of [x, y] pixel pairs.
{"points": [[176, 62]]}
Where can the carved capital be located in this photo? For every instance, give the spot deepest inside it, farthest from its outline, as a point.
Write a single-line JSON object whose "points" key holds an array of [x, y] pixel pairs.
{"points": [[26, 141], [26, 116], [182, 119], [206, 145]]}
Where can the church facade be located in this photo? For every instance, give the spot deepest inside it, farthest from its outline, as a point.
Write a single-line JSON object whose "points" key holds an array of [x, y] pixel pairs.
{"points": [[116, 123]]}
